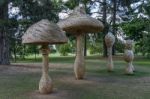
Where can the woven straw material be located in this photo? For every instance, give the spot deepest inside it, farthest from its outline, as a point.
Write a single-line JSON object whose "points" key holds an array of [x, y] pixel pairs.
{"points": [[109, 40], [128, 57], [80, 22], [44, 32], [129, 44]]}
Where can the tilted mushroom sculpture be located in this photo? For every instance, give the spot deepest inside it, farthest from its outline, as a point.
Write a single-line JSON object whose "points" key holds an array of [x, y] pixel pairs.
{"points": [[78, 23], [110, 40], [129, 56], [44, 33]]}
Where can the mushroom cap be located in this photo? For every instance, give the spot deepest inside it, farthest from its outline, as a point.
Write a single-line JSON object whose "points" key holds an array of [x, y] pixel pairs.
{"points": [[78, 21], [44, 32]]}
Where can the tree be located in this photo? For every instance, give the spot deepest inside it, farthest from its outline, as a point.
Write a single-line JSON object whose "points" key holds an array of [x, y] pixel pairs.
{"points": [[4, 42], [105, 31], [30, 12], [138, 30], [114, 22], [138, 24]]}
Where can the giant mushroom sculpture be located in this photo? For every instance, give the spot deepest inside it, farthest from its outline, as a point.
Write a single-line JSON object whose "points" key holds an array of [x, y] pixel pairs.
{"points": [[78, 23], [44, 33], [110, 40], [129, 56]]}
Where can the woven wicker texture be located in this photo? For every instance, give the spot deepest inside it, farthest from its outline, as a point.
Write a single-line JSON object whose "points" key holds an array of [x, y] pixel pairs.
{"points": [[78, 21], [44, 32], [129, 44], [109, 40]]}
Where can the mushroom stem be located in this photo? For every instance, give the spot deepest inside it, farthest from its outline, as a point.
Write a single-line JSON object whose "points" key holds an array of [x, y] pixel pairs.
{"points": [[110, 61], [128, 57], [129, 68], [45, 84], [79, 65]]}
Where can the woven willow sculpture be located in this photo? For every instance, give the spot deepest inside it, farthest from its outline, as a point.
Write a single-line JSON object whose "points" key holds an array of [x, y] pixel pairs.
{"points": [[129, 56], [78, 23], [110, 40], [44, 33]]}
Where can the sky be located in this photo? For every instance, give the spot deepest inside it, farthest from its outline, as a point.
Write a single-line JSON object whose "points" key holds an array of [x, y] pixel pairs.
{"points": [[64, 0], [12, 10], [15, 10], [62, 15]]}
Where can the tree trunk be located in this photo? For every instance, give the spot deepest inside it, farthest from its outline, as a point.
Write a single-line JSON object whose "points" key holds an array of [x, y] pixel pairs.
{"points": [[105, 28], [4, 43], [23, 51], [114, 23], [85, 39], [15, 54], [35, 53], [4, 49], [85, 46]]}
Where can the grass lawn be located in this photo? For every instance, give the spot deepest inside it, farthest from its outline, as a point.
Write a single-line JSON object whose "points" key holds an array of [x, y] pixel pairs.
{"points": [[17, 82]]}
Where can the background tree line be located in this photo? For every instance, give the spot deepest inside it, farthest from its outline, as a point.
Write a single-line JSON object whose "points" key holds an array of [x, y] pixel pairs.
{"points": [[128, 19]]}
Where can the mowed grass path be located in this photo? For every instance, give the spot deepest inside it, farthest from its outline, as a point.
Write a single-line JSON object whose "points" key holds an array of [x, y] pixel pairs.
{"points": [[18, 82]]}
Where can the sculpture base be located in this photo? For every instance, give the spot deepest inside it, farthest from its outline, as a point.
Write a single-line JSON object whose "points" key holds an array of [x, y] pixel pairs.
{"points": [[45, 85]]}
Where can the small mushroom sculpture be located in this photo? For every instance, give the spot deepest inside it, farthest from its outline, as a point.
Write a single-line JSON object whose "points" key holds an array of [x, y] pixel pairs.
{"points": [[78, 24], [44, 33], [110, 40], [129, 56]]}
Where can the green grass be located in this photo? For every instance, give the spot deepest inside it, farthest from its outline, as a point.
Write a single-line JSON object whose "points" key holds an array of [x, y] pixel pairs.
{"points": [[98, 83]]}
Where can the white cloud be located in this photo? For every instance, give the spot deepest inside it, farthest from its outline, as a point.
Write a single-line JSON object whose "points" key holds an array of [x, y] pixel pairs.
{"points": [[64, 0]]}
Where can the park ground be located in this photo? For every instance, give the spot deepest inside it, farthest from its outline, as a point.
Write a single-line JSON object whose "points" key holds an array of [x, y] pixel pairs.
{"points": [[20, 80]]}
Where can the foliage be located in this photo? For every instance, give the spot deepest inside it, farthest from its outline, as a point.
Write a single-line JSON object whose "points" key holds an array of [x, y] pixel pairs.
{"points": [[147, 8], [30, 12], [119, 47], [73, 3], [4, 33], [139, 30], [34, 11], [134, 28], [146, 45], [64, 49], [143, 45], [96, 48]]}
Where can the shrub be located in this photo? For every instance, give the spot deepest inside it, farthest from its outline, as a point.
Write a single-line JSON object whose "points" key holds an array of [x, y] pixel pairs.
{"points": [[64, 49], [119, 47], [95, 49]]}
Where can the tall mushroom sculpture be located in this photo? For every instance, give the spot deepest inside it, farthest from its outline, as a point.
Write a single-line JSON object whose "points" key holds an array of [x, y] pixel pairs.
{"points": [[129, 56], [110, 40], [78, 24], [44, 33]]}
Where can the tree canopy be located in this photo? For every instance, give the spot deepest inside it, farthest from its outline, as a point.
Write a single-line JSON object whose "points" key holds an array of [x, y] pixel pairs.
{"points": [[132, 16]]}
